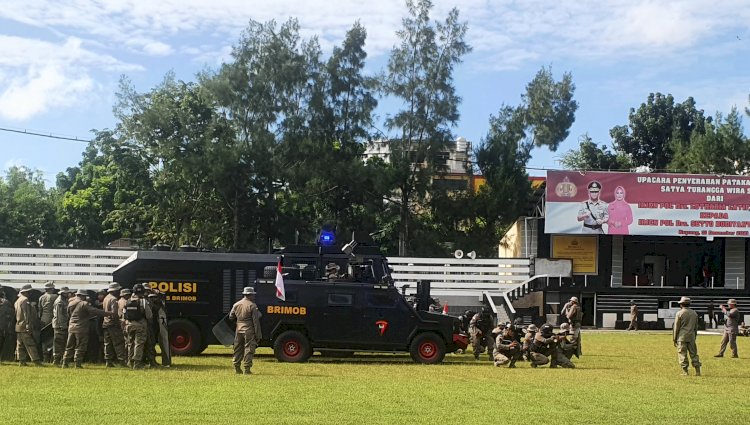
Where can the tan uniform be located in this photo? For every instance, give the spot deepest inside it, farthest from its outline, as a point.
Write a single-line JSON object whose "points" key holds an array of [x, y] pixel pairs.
{"points": [[121, 316], [45, 306], [507, 349], [633, 318], [114, 341], [248, 333], [684, 333], [731, 329], [598, 213], [575, 315], [25, 327], [80, 312], [137, 331], [60, 320], [539, 349]]}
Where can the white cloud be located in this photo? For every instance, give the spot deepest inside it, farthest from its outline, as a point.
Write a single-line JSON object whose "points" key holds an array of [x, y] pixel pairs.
{"points": [[37, 75], [506, 34]]}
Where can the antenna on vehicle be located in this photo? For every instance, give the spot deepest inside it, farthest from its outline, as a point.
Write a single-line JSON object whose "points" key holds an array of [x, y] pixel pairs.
{"points": [[348, 249]]}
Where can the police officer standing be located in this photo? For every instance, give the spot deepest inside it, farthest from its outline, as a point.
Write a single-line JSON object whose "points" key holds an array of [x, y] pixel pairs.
{"points": [[731, 328], [633, 316], [26, 321], [593, 212], [136, 315], [114, 341], [80, 312], [60, 320], [248, 334], [6, 322], [574, 315], [124, 297], [46, 302], [684, 333]]}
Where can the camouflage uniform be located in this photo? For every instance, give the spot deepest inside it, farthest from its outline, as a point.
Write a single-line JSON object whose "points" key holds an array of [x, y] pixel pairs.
{"points": [[124, 297], [45, 306], [6, 322], [137, 331], [114, 341], [508, 347], [684, 333], [479, 331], [633, 316], [26, 322], [248, 332], [575, 315], [60, 320], [80, 312], [731, 329]]}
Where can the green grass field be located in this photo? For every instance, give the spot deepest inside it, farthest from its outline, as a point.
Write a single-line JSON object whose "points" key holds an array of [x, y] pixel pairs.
{"points": [[623, 378]]}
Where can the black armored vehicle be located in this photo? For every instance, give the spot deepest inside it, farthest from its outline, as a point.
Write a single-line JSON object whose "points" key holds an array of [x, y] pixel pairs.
{"points": [[337, 302]]}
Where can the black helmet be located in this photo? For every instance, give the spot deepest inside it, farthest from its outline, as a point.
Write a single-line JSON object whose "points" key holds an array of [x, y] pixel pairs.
{"points": [[546, 330], [137, 288], [485, 310]]}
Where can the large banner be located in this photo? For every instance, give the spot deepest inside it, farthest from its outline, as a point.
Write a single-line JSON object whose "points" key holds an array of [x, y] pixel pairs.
{"points": [[647, 204]]}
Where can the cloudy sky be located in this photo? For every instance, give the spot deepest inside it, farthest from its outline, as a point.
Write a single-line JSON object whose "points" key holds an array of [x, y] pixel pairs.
{"points": [[60, 61]]}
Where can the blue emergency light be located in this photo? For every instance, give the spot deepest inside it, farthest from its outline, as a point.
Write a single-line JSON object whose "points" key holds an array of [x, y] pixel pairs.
{"points": [[327, 238]]}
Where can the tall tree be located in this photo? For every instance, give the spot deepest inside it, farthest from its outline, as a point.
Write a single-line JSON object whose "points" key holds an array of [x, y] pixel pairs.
{"points": [[656, 129], [589, 156], [27, 210], [420, 75], [543, 118], [721, 149]]}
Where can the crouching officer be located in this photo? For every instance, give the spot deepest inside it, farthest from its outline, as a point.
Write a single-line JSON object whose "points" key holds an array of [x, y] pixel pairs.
{"points": [[248, 334], [137, 315], [565, 345], [80, 313], [508, 347]]}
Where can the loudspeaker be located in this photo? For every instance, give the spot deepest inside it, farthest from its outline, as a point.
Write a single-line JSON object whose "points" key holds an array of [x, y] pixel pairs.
{"points": [[472, 255], [458, 254]]}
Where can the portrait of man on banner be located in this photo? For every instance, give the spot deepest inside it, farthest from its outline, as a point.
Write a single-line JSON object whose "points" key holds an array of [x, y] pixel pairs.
{"points": [[593, 212]]}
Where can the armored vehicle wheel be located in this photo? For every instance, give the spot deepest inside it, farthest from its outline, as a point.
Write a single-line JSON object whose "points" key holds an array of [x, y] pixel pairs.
{"points": [[427, 348], [185, 338], [292, 346]]}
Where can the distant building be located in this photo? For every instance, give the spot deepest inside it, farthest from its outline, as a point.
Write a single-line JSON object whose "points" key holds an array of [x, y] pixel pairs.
{"points": [[456, 158]]}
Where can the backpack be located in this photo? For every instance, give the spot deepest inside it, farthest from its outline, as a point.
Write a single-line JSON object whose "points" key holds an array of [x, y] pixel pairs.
{"points": [[133, 310]]}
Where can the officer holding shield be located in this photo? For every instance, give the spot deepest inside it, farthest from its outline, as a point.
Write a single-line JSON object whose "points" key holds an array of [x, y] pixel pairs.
{"points": [[593, 212]]}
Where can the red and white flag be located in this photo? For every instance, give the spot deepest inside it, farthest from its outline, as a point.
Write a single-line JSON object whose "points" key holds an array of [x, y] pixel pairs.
{"points": [[280, 293], [445, 308]]}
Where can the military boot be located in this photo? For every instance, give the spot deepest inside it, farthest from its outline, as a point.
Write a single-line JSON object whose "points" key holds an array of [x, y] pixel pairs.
{"points": [[138, 366], [698, 371], [248, 372], [65, 364], [109, 364], [38, 363], [685, 371], [23, 363], [79, 365], [238, 370]]}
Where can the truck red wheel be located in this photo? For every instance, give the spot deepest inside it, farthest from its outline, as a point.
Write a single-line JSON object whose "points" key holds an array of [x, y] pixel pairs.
{"points": [[292, 346], [184, 338], [427, 348]]}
